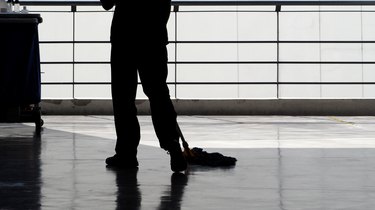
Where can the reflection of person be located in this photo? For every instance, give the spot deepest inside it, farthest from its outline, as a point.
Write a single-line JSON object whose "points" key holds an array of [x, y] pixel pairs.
{"points": [[172, 198], [139, 37], [128, 193]]}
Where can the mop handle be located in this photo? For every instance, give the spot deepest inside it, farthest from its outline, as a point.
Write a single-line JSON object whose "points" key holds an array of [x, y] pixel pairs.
{"points": [[184, 143]]}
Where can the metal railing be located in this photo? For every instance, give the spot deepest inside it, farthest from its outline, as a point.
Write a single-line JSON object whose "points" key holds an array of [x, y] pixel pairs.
{"points": [[278, 9]]}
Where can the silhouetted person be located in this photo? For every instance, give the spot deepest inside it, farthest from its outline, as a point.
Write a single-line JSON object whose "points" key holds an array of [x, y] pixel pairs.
{"points": [[139, 38]]}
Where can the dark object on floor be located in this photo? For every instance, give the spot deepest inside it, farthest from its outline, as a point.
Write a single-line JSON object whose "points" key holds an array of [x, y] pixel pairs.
{"points": [[197, 156], [20, 80]]}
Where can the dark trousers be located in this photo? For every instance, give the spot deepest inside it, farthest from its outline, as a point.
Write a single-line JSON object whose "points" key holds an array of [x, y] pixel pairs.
{"points": [[150, 61]]}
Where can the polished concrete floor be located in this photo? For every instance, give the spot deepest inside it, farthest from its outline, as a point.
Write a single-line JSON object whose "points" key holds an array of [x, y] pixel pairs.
{"points": [[284, 163]]}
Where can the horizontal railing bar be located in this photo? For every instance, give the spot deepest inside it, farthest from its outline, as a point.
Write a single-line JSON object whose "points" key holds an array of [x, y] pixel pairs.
{"points": [[77, 42], [274, 62], [281, 11], [221, 83], [219, 42], [223, 11], [213, 3], [267, 41], [75, 62], [61, 3], [226, 62], [265, 2]]}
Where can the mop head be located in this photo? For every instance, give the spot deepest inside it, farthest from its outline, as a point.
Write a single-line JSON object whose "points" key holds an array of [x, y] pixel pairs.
{"points": [[197, 156]]}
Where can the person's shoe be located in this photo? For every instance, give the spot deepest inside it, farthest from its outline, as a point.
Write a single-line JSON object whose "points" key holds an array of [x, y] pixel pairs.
{"points": [[122, 162], [178, 161]]}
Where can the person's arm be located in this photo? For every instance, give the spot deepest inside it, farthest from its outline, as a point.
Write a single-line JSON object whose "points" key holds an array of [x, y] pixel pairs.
{"points": [[166, 10], [107, 4]]}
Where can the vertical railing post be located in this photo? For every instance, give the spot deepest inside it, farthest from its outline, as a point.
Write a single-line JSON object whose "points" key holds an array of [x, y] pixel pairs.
{"points": [[175, 10], [278, 9], [73, 10]]}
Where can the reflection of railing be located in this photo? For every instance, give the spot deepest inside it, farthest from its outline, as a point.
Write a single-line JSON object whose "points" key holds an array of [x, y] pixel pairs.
{"points": [[276, 43]]}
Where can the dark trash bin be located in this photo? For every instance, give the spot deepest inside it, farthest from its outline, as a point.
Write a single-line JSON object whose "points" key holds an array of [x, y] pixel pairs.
{"points": [[20, 83]]}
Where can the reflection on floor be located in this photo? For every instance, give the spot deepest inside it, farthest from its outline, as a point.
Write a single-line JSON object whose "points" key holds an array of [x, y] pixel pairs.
{"points": [[284, 163]]}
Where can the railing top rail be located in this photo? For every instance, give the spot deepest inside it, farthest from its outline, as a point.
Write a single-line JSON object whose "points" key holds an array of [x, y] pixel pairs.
{"points": [[275, 2], [220, 3]]}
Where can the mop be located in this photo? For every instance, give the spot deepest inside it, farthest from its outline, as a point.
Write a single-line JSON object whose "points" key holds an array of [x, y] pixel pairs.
{"points": [[197, 156]]}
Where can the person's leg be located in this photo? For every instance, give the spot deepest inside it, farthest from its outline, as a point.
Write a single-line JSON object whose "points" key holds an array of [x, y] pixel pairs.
{"points": [[153, 71], [124, 88]]}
